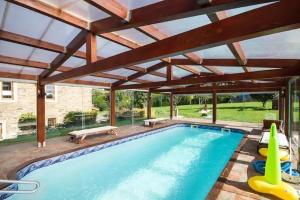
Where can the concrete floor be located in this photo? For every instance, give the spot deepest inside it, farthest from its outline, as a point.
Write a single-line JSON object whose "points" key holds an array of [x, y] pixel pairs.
{"points": [[232, 184]]}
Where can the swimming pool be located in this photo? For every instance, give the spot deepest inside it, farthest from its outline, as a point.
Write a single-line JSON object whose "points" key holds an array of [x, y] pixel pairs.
{"points": [[179, 162]]}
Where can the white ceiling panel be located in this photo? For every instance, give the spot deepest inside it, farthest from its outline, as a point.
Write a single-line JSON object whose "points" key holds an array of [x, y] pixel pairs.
{"points": [[43, 55], [149, 64], [19, 69], [215, 52], [25, 22], [280, 45], [3, 5], [231, 70], [60, 33], [133, 4], [135, 36], [180, 72], [182, 25], [74, 62], [97, 79], [106, 48], [149, 77], [121, 72], [79, 8], [14, 50]]}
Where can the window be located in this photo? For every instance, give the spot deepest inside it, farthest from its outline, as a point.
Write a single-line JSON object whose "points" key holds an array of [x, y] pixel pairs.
{"points": [[50, 92], [7, 90], [51, 122]]}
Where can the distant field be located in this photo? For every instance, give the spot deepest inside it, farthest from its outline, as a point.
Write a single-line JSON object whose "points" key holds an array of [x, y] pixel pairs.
{"points": [[241, 112]]}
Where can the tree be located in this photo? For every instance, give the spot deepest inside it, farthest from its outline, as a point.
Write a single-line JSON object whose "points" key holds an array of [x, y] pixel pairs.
{"points": [[100, 99], [263, 98]]}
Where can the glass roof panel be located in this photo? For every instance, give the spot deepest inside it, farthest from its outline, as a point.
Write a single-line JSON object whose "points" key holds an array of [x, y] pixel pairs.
{"points": [[215, 52], [135, 36], [79, 8], [3, 5], [14, 50], [43, 55], [122, 72], [133, 4], [19, 69], [25, 22], [149, 64], [237, 11], [261, 69], [231, 70], [279, 45], [60, 33], [97, 79], [182, 25], [149, 77], [74, 62], [202, 69], [180, 72], [106, 48]]}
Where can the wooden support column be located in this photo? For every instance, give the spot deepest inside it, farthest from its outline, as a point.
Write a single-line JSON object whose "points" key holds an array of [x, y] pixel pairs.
{"points": [[112, 107], [286, 111], [171, 105], [214, 104], [169, 73], [281, 105], [149, 105], [91, 48], [40, 109]]}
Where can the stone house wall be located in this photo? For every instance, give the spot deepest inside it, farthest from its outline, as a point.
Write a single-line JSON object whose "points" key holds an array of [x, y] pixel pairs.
{"points": [[68, 98]]}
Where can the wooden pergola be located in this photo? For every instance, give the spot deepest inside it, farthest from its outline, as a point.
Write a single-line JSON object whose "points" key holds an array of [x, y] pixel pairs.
{"points": [[152, 64]]}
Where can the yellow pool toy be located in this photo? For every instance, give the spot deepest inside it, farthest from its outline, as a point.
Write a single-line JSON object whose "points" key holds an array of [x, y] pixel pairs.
{"points": [[271, 182], [283, 153]]}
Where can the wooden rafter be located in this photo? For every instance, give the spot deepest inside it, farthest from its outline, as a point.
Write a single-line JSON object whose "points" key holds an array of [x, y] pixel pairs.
{"points": [[31, 77], [257, 63], [42, 65], [274, 18], [71, 48], [267, 74], [159, 12]]}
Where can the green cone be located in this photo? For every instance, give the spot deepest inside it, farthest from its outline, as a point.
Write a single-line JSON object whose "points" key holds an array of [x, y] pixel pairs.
{"points": [[273, 169]]}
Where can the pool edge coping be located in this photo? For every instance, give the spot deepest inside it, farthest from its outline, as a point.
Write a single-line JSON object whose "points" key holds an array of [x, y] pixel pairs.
{"points": [[13, 174]]}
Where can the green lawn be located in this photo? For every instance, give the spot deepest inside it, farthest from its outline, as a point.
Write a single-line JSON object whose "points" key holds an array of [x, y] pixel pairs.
{"points": [[241, 112]]}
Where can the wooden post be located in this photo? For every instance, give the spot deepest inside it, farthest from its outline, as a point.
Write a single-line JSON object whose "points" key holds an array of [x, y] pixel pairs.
{"points": [[214, 102], [286, 110], [149, 105], [40, 109], [281, 105], [171, 106], [91, 48], [169, 73], [112, 107]]}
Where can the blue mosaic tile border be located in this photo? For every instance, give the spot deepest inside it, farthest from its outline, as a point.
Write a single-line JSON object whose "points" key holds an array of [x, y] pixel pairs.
{"points": [[50, 161]]}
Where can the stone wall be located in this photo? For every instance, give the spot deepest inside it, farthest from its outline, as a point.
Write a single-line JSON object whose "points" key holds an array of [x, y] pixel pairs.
{"points": [[68, 98]]}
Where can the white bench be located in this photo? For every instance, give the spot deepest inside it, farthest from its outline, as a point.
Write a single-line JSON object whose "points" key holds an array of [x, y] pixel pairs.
{"points": [[153, 122], [80, 135]]}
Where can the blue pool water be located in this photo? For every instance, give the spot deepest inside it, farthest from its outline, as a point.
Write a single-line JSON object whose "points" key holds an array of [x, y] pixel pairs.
{"points": [[180, 163]]}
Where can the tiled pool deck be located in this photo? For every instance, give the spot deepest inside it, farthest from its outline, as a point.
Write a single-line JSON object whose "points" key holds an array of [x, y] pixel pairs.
{"points": [[232, 184]]}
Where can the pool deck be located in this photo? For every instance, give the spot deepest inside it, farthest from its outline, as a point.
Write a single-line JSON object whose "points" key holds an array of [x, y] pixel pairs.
{"points": [[231, 185]]}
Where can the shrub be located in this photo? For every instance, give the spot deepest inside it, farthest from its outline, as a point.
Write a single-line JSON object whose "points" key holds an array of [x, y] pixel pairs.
{"points": [[27, 121], [74, 118]]}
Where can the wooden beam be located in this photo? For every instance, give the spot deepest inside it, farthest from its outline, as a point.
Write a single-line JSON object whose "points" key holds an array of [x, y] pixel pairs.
{"points": [[159, 12], [149, 105], [169, 73], [258, 63], [214, 106], [91, 48], [139, 74], [236, 90], [112, 107], [273, 19], [267, 74], [42, 65], [239, 85], [41, 115], [111, 7], [171, 106], [28, 41], [71, 48]]}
